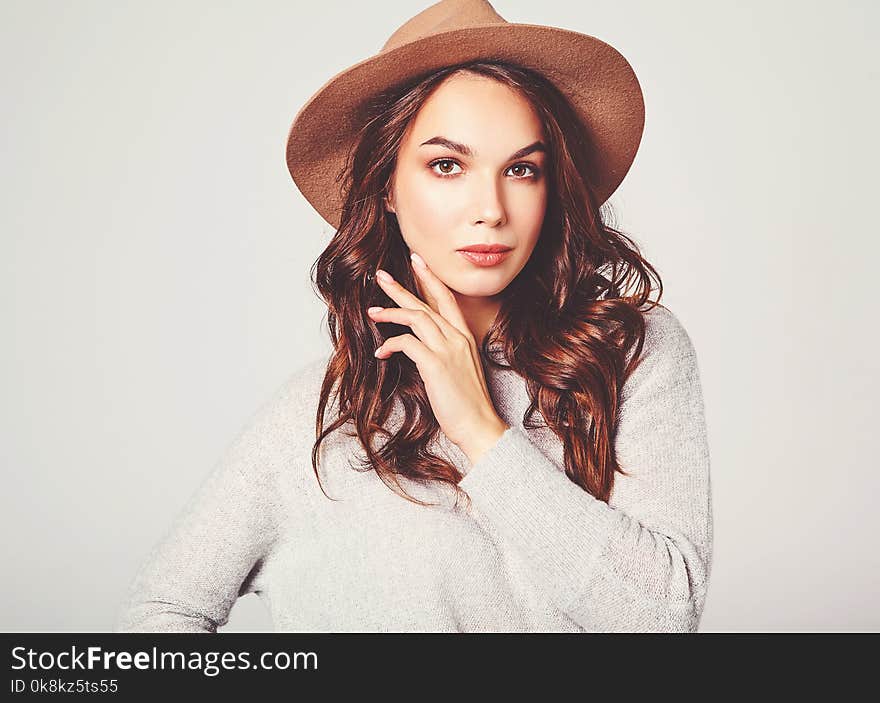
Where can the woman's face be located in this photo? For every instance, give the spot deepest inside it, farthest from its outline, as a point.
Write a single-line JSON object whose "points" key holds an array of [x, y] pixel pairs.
{"points": [[493, 193]]}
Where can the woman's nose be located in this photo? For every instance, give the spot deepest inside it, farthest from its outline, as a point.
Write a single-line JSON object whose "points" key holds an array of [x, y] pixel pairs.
{"points": [[488, 202]]}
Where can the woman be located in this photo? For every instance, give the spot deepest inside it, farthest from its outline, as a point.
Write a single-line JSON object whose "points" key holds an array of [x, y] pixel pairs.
{"points": [[541, 384]]}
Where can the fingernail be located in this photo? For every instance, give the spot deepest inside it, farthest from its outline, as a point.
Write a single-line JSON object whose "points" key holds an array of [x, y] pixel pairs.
{"points": [[418, 260], [383, 276], [374, 309]]}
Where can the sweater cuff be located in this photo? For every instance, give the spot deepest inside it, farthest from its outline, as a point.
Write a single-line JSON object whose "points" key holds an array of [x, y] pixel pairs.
{"points": [[553, 523]]}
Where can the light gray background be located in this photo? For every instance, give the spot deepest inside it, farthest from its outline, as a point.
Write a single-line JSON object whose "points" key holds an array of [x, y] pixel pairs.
{"points": [[155, 261]]}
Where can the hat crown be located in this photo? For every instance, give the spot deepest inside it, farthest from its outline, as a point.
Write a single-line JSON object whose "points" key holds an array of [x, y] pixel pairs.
{"points": [[443, 16]]}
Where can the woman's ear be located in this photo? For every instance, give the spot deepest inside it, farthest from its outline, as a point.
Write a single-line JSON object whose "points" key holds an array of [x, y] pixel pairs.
{"points": [[388, 204]]}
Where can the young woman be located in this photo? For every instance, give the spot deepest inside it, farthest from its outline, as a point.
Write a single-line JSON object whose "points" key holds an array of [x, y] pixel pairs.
{"points": [[494, 340]]}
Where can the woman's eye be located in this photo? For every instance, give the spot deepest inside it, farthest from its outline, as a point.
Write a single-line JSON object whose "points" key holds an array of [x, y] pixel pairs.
{"points": [[534, 171], [525, 171], [443, 162]]}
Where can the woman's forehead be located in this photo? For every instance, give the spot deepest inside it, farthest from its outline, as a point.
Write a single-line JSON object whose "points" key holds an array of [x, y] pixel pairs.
{"points": [[485, 117]]}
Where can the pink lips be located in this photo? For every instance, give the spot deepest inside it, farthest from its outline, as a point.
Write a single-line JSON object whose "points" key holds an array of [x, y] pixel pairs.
{"points": [[485, 254], [484, 258]]}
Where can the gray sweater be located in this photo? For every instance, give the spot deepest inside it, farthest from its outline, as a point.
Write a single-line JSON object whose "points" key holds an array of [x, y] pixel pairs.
{"points": [[536, 553]]}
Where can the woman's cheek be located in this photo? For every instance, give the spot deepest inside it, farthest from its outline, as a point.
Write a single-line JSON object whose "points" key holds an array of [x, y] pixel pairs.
{"points": [[436, 204], [431, 223]]}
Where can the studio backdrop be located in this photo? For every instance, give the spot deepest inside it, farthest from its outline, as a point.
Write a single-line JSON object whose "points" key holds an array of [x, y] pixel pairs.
{"points": [[156, 260]]}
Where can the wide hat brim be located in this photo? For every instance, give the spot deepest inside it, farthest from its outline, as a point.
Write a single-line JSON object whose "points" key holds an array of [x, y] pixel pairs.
{"points": [[596, 78]]}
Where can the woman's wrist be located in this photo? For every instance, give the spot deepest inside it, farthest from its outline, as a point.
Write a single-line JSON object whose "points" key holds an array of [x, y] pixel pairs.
{"points": [[483, 438]]}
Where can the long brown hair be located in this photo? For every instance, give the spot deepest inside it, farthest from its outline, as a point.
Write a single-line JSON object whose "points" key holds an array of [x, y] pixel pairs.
{"points": [[567, 322]]}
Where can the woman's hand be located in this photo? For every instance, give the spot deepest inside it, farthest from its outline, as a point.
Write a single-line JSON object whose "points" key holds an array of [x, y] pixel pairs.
{"points": [[446, 355]]}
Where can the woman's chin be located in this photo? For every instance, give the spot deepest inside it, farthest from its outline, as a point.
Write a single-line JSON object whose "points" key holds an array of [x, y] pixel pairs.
{"points": [[486, 288]]}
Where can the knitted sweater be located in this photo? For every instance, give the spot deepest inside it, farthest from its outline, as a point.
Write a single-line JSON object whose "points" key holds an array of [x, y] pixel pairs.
{"points": [[536, 553]]}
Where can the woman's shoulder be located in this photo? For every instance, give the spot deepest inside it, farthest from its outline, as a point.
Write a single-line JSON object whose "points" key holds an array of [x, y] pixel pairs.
{"points": [[287, 415], [296, 398], [668, 347], [663, 327], [305, 380]]}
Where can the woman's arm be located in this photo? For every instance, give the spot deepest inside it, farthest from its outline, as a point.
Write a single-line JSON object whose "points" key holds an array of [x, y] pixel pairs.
{"points": [[641, 562], [214, 551]]}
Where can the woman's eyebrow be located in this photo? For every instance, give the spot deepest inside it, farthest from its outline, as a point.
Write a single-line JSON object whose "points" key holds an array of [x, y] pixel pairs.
{"points": [[467, 151]]}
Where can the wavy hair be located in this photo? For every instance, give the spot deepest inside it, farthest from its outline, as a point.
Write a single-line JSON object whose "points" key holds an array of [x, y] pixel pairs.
{"points": [[571, 322]]}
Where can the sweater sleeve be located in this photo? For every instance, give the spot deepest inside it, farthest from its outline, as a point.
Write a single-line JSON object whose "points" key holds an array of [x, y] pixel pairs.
{"points": [[639, 563], [215, 549]]}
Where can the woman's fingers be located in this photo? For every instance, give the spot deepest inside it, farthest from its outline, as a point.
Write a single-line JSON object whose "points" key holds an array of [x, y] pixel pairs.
{"points": [[446, 303], [412, 347], [405, 299], [420, 321]]}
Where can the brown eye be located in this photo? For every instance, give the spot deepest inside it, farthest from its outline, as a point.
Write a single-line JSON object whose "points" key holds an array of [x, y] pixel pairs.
{"points": [[444, 164], [529, 167]]}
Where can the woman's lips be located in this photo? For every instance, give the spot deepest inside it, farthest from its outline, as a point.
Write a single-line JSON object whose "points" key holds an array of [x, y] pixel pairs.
{"points": [[484, 258]]}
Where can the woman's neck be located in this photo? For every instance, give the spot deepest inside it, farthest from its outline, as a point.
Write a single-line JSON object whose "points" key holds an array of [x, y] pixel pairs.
{"points": [[479, 313]]}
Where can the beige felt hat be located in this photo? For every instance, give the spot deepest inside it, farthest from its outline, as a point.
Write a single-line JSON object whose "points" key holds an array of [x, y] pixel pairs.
{"points": [[595, 77]]}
